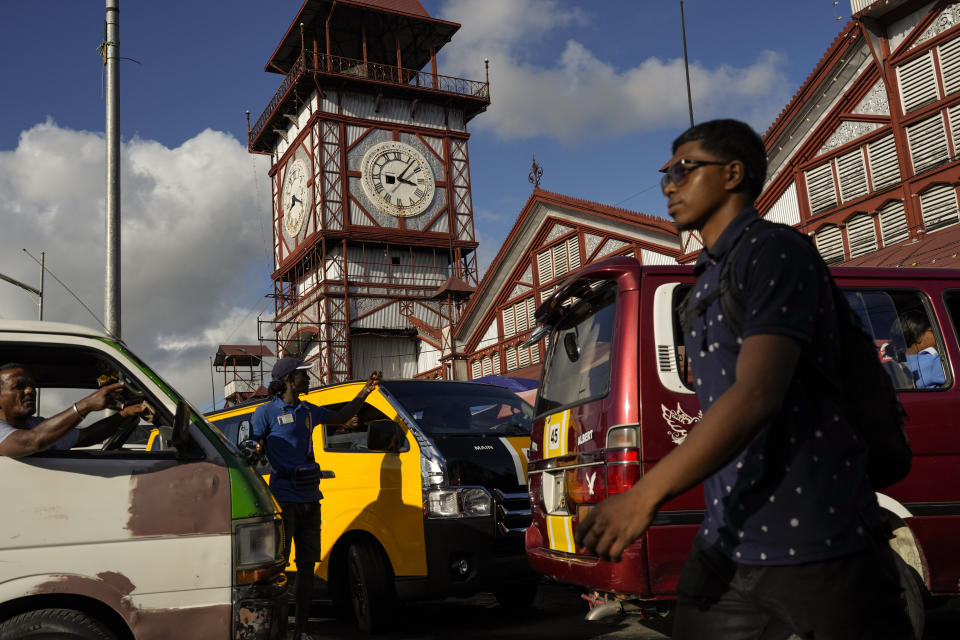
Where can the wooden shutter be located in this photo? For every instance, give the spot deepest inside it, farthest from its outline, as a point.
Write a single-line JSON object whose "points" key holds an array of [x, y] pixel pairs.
{"points": [[820, 188], [918, 82], [523, 357], [573, 252], [509, 322], [939, 207], [853, 175], [560, 266], [861, 235], [475, 369], [949, 54], [511, 358], [830, 244], [953, 117], [487, 366], [544, 267], [893, 223], [884, 169], [496, 363], [928, 143]]}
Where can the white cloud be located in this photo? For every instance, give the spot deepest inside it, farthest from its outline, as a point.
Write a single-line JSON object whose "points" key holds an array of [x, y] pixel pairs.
{"points": [[195, 242], [582, 96]]}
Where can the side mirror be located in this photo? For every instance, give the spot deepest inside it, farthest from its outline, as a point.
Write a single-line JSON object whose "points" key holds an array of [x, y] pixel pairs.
{"points": [[180, 421], [243, 432], [384, 435], [250, 451]]}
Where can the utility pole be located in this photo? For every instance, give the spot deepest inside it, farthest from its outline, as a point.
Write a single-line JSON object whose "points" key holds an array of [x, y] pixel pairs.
{"points": [[111, 294]]}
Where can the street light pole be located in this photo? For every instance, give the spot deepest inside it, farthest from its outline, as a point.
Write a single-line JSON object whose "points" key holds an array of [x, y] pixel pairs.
{"points": [[111, 295], [686, 64]]}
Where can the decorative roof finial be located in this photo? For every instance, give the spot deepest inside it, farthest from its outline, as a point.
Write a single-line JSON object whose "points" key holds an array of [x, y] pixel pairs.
{"points": [[536, 172]]}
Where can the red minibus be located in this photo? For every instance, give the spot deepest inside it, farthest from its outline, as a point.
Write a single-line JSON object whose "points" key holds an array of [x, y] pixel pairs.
{"points": [[614, 398]]}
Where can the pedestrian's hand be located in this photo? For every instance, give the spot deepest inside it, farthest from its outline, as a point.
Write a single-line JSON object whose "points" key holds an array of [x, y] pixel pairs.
{"points": [[373, 381], [613, 525]]}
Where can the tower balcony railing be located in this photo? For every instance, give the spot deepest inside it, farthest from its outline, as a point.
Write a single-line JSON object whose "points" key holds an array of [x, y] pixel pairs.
{"points": [[340, 66]]}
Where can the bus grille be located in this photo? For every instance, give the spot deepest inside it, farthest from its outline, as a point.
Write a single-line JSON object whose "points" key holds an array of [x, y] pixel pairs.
{"points": [[513, 512]]}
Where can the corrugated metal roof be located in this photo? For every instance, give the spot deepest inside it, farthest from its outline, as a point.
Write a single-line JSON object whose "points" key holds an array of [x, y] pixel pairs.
{"points": [[241, 354], [939, 249]]}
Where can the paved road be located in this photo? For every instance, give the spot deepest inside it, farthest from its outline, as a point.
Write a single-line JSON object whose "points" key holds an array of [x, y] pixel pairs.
{"points": [[558, 614]]}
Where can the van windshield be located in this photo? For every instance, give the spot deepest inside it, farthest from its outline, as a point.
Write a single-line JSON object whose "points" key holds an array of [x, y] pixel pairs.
{"points": [[463, 409], [577, 367]]}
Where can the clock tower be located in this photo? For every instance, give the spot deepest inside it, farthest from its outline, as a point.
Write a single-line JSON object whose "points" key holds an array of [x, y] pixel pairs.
{"points": [[373, 236]]}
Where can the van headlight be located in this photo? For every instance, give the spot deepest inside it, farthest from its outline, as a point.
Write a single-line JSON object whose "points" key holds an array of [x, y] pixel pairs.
{"points": [[258, 549], [458, 502], [475, 502]]}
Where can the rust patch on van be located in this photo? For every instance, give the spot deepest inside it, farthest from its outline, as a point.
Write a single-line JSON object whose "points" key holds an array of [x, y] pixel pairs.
{"points": [[117, 580], [182, 499], [194, 622], [113, 589]]}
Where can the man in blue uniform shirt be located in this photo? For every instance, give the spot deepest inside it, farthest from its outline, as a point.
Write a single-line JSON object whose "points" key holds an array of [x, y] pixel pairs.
{"points": [[792, 539], [284, 427]]}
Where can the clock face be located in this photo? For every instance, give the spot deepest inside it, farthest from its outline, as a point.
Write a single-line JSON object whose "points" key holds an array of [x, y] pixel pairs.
{"points": [[397, 179], [295, 197]]}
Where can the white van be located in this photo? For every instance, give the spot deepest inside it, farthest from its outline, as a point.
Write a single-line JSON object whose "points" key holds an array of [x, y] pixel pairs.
{"points": [[162, 531]]}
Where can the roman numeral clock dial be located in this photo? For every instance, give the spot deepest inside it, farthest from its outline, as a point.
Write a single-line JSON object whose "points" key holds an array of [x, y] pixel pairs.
{"points": [[397, 179], [295, 197]]}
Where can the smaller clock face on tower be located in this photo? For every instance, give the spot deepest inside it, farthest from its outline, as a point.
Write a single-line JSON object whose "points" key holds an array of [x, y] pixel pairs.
{"points": [[295, 198], [397, 179]]}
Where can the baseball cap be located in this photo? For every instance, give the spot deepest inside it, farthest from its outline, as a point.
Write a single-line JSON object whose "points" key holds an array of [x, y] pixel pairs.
{"points": [[287, 365]]}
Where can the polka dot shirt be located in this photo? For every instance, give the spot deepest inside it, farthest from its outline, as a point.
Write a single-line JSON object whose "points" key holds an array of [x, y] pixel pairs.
{"points": [[798, 492]]}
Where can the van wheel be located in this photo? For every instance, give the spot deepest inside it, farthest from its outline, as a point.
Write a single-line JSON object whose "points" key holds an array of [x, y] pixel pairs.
{"points": [[371, 586], [912, 586], [518, 595], [54, 623]]}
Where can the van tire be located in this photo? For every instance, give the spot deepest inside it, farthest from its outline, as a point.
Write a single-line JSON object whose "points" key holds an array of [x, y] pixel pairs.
{"points": [[371, 588], [66, 624], [518, 595], [913, 590]]}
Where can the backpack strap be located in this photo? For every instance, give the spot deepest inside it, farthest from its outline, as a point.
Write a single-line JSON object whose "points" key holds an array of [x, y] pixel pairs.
{"points": [[732, 298]]}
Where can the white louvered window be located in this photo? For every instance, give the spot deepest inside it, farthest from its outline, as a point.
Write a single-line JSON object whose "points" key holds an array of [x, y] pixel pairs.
{"points": [[509, 322], [853, 175], [496, 363], [544, 267], [820, 188], [559, 260], [830, 244], [487, 366], [949, 54], [953, 117], [928, 144], [523, 357], [535, 354], [918, 82], [518, 317], [893, 223], [511, 353], [475, 370], [861, 235], [884, 170], [939, 207]]}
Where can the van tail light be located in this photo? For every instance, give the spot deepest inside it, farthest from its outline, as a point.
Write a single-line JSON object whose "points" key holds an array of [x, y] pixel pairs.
{"points": [[585, 485], [623, 469], [535, 490]]}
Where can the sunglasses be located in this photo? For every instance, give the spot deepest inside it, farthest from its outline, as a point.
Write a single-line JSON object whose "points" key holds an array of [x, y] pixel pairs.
{"points": [[677, 172]]}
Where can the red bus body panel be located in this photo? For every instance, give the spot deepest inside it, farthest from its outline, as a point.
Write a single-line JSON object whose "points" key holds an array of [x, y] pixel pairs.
{"points": [[651, 566]]}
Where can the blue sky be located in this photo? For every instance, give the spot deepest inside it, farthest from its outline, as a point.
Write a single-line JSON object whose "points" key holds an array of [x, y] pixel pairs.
{"points": [[593, 88]]}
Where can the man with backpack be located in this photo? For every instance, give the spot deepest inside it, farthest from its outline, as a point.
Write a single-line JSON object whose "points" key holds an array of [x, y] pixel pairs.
{"points": [[793, 540]]}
